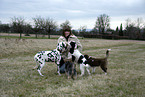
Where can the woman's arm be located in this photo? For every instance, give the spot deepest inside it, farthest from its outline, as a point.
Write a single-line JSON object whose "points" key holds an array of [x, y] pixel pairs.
{"points": [[61, 39], [79, 46]]}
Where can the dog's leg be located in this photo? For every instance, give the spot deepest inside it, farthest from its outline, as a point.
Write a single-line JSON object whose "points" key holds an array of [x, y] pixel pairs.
{"points": [[75, 75], [58, 71], [36, 60], [68, 75], [93, 69], [73, 67], [36, 66], [82, 69], [40, 67], [40, 72], [104, 69], [88, 71]]}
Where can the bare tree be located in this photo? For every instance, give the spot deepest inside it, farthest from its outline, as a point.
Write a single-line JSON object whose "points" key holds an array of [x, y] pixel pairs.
{"points": [[49, 26], [133, 29], [17, 25], [82, 30], [66, 24], [27, 29], [128, 22], [46, 25], [139, 26], [4, 28], [39, 24], [139, 23], [102, 23]]}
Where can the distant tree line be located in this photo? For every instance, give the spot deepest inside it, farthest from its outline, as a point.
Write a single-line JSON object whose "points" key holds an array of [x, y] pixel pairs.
{"points": [[133, 30]]}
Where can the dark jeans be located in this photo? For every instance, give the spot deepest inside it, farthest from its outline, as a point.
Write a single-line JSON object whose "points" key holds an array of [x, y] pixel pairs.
{"points": [[62, 68]]}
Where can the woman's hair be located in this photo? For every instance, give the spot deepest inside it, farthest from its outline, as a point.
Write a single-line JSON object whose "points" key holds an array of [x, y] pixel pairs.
{"points": [[66, 29]]}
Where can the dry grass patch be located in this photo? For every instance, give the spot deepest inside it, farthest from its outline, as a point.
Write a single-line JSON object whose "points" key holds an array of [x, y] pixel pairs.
{"points": [[25, 46], [126, 75]]}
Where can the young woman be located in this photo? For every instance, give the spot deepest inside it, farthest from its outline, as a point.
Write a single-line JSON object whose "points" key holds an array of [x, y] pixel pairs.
{"points": [[67, 37]]}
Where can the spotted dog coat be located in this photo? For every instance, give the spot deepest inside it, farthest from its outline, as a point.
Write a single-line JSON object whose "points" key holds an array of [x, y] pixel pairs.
{"points": [[50, 56]]}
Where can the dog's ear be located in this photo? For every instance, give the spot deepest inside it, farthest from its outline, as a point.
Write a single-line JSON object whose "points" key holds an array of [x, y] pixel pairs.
{"points": [[86, 56], [72, 43], [72, 47]]}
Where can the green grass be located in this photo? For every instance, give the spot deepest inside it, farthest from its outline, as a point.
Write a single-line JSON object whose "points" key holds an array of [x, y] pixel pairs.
{"points": [[126, 70]]}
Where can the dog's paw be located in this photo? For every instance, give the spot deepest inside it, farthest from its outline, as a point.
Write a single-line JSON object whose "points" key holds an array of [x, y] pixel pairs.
{"points": [[34, 67], [81, 75], [109, 49], [68, 77], [42, 75]]}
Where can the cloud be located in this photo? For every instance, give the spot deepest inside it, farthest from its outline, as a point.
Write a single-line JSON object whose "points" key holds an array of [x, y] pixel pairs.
{"points": [[83, 11]]}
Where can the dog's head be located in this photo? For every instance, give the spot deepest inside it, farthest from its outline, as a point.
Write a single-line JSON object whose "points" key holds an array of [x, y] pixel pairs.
{"points": [[62, 46], [82, 60], [73, 46], [85, 62], [86, 56]]}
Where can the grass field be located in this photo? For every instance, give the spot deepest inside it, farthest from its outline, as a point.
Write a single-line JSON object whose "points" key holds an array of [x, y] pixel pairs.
{"points": [[126, 70]]}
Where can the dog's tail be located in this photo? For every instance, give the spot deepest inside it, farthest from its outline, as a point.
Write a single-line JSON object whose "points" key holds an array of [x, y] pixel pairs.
{"points": [[107, 53]]}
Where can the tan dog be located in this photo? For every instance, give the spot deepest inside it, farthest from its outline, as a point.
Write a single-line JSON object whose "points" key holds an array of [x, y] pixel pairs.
{"points": [[102, 62], [70, 70]]}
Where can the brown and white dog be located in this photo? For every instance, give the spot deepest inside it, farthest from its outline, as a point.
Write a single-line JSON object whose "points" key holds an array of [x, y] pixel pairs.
{"points": [[94, 62]]}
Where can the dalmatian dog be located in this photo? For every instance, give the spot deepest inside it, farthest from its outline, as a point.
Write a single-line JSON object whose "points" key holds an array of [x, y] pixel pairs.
{"points": [[50, 56], [79, 58]]}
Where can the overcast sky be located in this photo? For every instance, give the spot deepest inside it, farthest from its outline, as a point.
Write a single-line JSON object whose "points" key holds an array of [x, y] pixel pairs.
{"points": [[78, 12]]}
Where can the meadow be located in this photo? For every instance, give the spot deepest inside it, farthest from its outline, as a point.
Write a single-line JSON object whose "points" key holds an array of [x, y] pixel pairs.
{"points": [[125, 78]]}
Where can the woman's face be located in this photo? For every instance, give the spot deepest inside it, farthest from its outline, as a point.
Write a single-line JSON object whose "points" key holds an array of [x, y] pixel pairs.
{"points": [[66, 33]]}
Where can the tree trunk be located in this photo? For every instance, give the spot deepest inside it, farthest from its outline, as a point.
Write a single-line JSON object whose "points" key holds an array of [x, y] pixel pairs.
{"points": [[36, 35], [48, 34], [20, 35]]}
